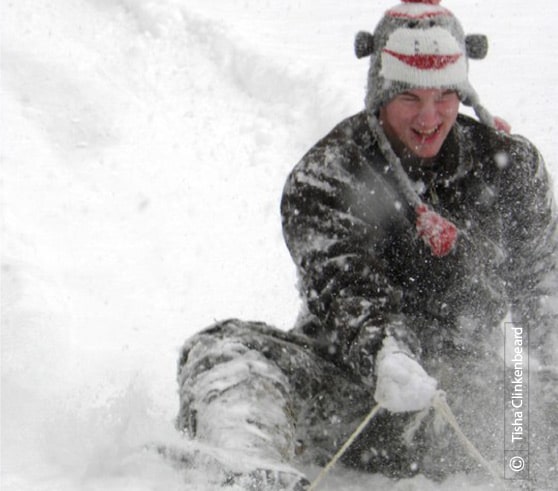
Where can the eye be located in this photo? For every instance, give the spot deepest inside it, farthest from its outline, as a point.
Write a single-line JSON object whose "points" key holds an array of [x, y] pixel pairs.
{"points": [[407, 97], [447, 96]]}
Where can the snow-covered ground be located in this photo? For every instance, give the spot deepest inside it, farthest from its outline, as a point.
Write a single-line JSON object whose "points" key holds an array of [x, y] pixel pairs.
{"points": [[144, 148]]}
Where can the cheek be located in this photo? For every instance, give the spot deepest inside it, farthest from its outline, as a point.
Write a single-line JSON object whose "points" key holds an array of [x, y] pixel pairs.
{"points": [[402, 119], [451, 118], [450, 110]]}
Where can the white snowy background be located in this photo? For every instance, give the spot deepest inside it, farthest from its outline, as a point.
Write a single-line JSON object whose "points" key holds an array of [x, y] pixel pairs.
{"points": [[144, 148]]}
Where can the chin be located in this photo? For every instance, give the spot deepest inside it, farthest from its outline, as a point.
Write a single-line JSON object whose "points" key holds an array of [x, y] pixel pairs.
{"points": [[425, 153]]}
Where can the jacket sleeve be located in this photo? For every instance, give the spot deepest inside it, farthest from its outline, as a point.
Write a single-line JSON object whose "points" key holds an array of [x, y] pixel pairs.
{"points": [[531, 232], [332, 224]]}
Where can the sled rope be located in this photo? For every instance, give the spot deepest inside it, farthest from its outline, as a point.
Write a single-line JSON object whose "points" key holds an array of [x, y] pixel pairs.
{"points": [[439, 404], [344, 448]]}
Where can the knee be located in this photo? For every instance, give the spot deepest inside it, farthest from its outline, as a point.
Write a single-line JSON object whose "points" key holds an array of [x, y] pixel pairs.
{"points": [[217, 344], [221, 357]]}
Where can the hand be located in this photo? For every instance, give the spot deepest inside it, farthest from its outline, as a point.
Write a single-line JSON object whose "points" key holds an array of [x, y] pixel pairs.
{"points": [[402, 384], [502, 125]]}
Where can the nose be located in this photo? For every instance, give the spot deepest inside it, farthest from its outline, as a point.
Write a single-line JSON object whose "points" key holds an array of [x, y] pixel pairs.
{"points": [[428, 116]]}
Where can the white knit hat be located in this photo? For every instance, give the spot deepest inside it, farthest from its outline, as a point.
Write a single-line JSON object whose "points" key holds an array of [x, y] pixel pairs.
{"points": [[419, 44]]}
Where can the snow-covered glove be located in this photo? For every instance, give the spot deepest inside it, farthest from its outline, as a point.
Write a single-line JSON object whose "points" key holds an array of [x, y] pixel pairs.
{"points": [[402, 384]]}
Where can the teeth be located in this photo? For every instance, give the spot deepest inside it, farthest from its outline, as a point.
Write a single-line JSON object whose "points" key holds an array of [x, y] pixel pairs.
{"points": [[426, 134]]}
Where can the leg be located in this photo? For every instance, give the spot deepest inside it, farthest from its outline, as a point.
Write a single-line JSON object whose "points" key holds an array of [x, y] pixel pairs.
{"points": [[233, 397], [250, 387]]}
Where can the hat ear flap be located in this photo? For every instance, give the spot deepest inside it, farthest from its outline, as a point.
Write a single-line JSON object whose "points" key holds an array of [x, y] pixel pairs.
{"points": [[477, 46], [364, 44]]}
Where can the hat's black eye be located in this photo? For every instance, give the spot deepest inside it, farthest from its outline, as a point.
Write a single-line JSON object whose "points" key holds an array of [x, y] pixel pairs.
{"points": [[412, 24], [432, 23]]}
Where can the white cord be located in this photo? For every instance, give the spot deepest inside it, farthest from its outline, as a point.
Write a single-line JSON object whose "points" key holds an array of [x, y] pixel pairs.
{"points": [[440, 404], [344, 448]]}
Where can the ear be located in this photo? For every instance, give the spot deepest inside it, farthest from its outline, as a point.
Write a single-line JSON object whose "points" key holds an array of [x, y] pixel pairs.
{"points": [[477, 46], [364, 44]]}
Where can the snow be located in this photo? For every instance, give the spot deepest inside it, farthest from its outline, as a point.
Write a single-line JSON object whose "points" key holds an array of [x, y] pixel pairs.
{"points": [[144, 149]]}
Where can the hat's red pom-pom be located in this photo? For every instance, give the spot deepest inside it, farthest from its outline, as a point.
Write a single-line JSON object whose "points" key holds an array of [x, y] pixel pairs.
{"points": [[429, 2], [437, 232]]}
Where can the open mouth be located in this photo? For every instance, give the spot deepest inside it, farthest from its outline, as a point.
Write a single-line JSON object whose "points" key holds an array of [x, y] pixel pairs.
{"points": [[426, 136]]}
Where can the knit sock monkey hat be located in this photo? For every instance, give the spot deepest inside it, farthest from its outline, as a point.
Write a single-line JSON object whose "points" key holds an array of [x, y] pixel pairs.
{"points": [[419, 44]]}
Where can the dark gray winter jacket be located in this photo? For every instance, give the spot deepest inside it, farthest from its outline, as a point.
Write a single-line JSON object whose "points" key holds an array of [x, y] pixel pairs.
{"points": [[364, 273]]}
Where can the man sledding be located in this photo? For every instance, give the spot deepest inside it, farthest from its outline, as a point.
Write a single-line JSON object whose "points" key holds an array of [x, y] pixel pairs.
{"points": [[418, 233]]}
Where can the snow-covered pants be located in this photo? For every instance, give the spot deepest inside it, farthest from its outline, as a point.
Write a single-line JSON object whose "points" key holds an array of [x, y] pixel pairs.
{"points": [[249, 386]]}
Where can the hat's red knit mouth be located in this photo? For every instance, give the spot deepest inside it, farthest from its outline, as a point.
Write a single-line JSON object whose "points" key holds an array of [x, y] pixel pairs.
{"points": [[428, 2], [425, 61]]}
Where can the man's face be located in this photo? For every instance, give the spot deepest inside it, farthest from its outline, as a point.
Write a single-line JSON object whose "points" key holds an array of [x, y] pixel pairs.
{"points": [[419, 120]]}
